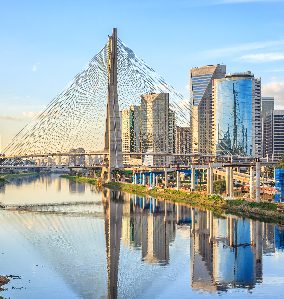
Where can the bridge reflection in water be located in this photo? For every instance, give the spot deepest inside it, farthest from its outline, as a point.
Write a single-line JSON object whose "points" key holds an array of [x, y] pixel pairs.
{"points": [[223, 253]]}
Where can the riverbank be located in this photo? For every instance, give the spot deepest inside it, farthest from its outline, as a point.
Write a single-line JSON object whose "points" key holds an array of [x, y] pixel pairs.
{"points": [[6, 177], [263, 211]]}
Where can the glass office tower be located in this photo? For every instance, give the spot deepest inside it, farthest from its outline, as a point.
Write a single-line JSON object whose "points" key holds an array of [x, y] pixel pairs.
{"points": [[201, 80], [237, 101]]}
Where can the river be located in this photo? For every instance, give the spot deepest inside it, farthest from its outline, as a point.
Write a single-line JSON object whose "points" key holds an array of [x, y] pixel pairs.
{"points": [[73, 241]]}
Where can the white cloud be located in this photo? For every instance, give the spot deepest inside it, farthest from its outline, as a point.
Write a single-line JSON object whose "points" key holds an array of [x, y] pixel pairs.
{"points": [[23, 117], [35, 67], [29, 114], [275, 89], [262, 57], [228, 51]]}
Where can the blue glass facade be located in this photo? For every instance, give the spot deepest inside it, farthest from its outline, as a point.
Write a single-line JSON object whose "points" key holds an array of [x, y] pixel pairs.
{"points": [[279, 185], [234, 115]]}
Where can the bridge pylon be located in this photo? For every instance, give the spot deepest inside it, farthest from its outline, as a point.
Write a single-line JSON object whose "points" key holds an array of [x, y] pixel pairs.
{"points": [[113, 143]]}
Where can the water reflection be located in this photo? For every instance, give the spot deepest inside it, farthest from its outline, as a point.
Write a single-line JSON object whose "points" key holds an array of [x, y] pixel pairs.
{"points": [[225, 252], [129, 242], [75, 187]]}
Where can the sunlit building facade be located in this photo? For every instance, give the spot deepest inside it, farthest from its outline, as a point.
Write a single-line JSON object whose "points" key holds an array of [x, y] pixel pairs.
{"points": [[201, 81], [157, 127], [274, 135], [237, 115], [267, 106]]}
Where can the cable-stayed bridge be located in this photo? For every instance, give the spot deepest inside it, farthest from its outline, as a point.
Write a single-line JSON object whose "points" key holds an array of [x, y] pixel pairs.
{"points": [[86, 114]]}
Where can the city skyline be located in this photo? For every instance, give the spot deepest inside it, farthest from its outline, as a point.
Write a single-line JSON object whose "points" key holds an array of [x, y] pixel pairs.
{"points": [[31, 53]]}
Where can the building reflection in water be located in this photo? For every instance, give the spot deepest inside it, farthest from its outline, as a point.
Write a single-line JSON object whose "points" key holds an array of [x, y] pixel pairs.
{"points": [[225, 252], [2, 187], [75, 187], [149, 226]]}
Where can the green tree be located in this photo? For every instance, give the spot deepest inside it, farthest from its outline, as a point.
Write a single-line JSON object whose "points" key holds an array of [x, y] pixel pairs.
{"points": [[219, 186]]}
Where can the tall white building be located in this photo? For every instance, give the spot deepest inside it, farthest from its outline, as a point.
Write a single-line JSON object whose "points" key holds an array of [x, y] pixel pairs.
{"points": [[201, 82], [274, 135], [267, 106], [157, 126]]}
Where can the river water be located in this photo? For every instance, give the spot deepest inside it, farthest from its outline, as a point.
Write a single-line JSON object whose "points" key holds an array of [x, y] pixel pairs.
{"points": [[73, 241]]}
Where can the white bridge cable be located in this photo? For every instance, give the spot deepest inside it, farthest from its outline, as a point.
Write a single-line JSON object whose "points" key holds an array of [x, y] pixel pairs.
{"points": [[76, 117]]}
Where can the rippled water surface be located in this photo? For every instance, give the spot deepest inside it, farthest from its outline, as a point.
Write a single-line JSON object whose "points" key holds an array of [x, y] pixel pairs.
{"points": [[72, 241]]}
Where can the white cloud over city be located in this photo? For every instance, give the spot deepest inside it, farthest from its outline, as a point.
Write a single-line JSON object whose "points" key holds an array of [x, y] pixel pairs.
{"points": [[262, 57], [275, 89]]}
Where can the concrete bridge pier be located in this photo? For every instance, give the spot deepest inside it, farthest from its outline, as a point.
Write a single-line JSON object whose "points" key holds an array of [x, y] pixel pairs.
{"points": [[143, 179], [153, 179], [231, 188], [227, 181], [134, 178], [157, 180], [192, 184], [166, 178], [210, 179], [251, 182], [178, 180]]}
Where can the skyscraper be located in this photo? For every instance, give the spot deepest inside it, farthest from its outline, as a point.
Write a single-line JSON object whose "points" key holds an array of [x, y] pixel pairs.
{"points": [[267, 105], [237, 124], [274, 135], [157, 125], [183, 140], [183, 144], [201, 80], [172, 132], [130, 132]]}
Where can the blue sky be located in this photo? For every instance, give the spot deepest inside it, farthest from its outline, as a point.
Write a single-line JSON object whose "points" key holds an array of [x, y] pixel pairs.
{"points": [[45, 43]]}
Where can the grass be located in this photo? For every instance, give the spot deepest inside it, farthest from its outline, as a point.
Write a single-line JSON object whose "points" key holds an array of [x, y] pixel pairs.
{"points": [[6, 177], [74, 178]]}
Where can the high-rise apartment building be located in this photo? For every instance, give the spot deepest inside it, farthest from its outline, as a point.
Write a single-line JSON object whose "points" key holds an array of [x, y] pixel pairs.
{"points": [[130, 132], [183, 144], [157, 126], [201, 80], [274, 135], [237, 115], [267, 105], [172, 132]]}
